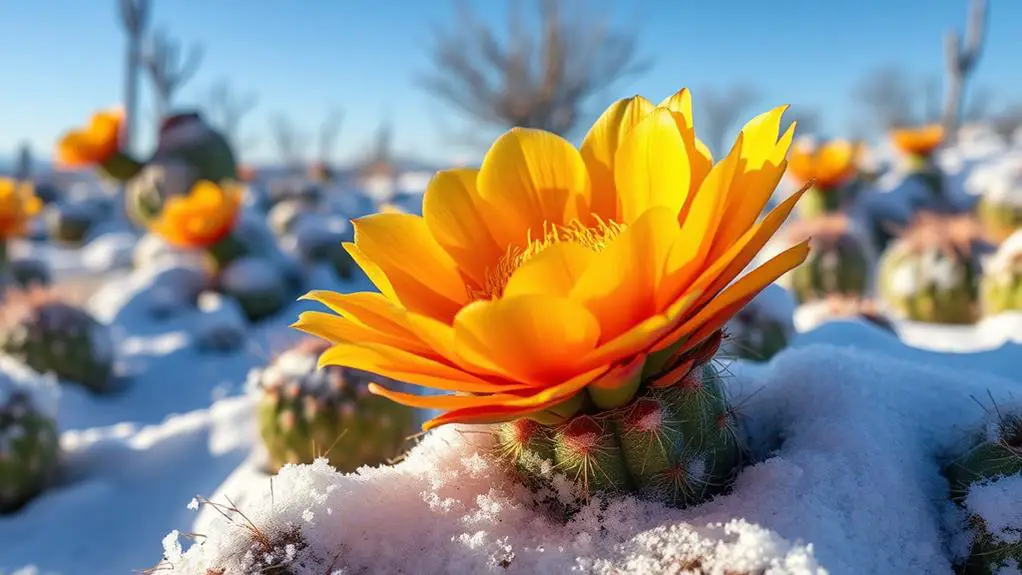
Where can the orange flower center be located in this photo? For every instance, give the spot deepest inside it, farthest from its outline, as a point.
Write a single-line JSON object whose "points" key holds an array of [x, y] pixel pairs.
{"points": [[594, 237]]}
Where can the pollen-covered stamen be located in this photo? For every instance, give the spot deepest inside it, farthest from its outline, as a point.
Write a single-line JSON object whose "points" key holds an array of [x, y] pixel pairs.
{"points": [[594, 237]]}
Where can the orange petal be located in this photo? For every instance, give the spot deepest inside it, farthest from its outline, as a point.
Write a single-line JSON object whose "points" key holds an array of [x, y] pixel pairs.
{"points": [[620, 285], [536, 178], [600, 147], [408, 367], [451, 209], [372, 271], [535, 339], [436, 401], [423, 276], [652, 167], [699, 156], [554, 271], [338, 329], [508, 409]]}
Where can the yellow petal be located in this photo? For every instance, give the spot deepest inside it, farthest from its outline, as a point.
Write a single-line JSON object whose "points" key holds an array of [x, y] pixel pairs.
{"points": [[600, 147], [337, 329], [372, 271], [423, 276], [620, 285], [699, 156], [554, 271], [652, 167], [535, 178], [535, 339], [452, 211]]}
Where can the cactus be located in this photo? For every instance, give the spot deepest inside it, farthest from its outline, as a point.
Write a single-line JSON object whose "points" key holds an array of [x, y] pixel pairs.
{"points": [[1001, 283], [70, 224], [998, 218], [673, 443], [762, 328], [932, 272], [1000, 207], [305, 412], [995, 452], [318, 241], [52, 336], [28, 447], [257, 284], [837, 264]]}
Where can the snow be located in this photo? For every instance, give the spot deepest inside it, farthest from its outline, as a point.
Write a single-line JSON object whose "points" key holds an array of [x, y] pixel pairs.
{"points": [[251, 275], [17, 378], [997, 503]]}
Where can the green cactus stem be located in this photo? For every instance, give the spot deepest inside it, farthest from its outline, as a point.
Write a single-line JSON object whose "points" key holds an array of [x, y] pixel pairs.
{"points": [[931, 284], [120, 167], [1000, 220], [52, 336], [995, 452], [28, 450], [837, 265], [1001, 283], [675, 444], [819, 201], [305, 413]]}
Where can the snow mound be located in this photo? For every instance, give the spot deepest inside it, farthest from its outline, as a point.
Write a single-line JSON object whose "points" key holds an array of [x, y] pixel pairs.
{"points": [[849, 446], [252, 274], [16, 377]]}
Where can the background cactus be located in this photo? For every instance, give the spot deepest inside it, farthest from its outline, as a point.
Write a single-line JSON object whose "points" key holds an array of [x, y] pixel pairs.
{"points": [[762, 328], [932, 272], [28, 446], [1000, 206], [305, 412], [994, 453], [53, 336], [70, 223], [676, 444], [839, 262], [1001, 283]]}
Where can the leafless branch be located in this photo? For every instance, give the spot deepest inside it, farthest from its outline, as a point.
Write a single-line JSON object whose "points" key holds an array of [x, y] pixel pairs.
{"points": [[808, 120], [227, 109], [168, 68], [888, 97], [328, 132], [720, 111], [536, 81], [290, 141]]}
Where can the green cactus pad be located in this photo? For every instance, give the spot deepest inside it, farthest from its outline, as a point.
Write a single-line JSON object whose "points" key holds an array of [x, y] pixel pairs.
{"points": [[835, 266], [1001, 284], [932, 284], [674, 444], [28, 450], [119, 167], [995, 453], [305, 412], [51, 336], [1000, 220]]}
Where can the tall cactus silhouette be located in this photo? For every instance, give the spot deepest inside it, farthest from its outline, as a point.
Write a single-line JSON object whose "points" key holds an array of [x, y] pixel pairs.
{"points": [[135, 19], [959, 61], [167, 69]]}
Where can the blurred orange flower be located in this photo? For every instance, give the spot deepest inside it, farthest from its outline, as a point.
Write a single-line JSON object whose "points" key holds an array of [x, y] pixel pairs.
{"points": [[18, 204], [94, 143], [554, 276], [828, 166], [918, 141], [202, 218]]}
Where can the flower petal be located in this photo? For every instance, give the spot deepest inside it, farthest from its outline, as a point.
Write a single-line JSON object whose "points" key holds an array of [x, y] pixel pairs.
{"points": [[600, 147], [421, 274], [536, 178], [699, 156], [535, 339], [620, 285], [652, 167], [453, 212], [554, 271]]}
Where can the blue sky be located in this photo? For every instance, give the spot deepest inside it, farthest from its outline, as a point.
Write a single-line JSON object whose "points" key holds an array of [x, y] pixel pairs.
{"points": [[64, 58]]}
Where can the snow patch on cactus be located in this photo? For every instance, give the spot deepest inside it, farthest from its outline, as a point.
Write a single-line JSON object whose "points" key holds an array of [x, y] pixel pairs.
{"points": [[1007, 260], [999, 180], [16, 377], [996, 502], [251, 275]]}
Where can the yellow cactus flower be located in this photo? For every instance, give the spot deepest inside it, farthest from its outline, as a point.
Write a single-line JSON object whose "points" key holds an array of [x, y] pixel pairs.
{"points": [[827, 166], [551, 276], [920, 141], [200, 219], [94, 143], [18, 204]]}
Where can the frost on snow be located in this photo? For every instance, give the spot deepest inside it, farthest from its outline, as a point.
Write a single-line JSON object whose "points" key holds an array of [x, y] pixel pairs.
{"points": [[848, 447]]}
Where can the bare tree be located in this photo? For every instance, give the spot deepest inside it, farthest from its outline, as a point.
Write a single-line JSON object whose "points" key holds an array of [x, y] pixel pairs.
{"points": [[168, 68], [531, 82], [290, 141], [722, 110], [887, 97], [134, 19], [226, 111], [328, 132], [959, 62], [808, 120]]}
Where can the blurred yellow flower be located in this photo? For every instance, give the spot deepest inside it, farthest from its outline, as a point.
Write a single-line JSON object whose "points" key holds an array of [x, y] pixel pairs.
{"points": [[92, 144], [828, 166], [200, 219], [919, 141], [18, 204], [551, 276]]}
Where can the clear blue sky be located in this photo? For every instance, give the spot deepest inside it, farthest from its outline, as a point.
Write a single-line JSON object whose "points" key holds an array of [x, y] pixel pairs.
{"points": [[63, 58]]}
